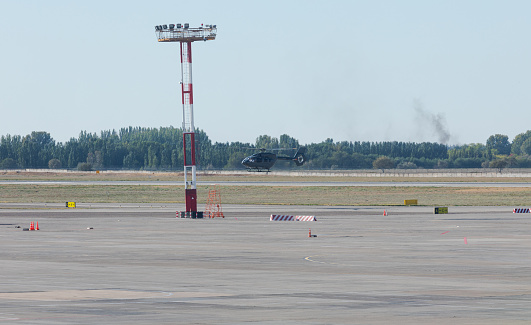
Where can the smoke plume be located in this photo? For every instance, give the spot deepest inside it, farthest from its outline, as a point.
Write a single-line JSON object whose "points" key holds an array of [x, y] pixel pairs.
{"points": [[435, 122]]}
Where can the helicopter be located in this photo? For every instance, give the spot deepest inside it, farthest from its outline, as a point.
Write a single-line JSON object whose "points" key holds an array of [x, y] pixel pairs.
{"points": [[263, 161]]}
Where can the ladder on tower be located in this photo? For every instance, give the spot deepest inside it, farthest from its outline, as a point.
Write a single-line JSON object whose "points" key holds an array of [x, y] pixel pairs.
{"points": [[213, 206]]}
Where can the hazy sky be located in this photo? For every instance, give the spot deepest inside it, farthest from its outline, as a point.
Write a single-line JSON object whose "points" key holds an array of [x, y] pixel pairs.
{"points": [[454, 71]]}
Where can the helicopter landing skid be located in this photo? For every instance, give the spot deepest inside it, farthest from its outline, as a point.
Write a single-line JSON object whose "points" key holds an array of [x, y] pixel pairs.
{"points": [[258, 170]]}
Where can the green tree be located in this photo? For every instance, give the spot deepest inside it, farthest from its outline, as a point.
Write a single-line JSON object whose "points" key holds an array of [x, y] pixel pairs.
{"points": [[235, 161], [441, 164], [265, 141], [8, 163], [468, 162], [500, 143], [36, 150], [95, 159], [54, 163], [525, 148], [130, 161], [84, 166], [288, 142], [523, 161], [406, 165], [498, 163], [383, 162], [518, 140], [152, 148]]}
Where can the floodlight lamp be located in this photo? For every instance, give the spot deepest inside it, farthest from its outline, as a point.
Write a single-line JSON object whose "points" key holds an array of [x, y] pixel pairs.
{"points": [[179, 25], [186, 25], [165, 26], [172, 26]]}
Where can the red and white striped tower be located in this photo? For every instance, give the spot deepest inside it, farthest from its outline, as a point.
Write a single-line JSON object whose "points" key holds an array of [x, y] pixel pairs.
{"points": [[185, 36]]}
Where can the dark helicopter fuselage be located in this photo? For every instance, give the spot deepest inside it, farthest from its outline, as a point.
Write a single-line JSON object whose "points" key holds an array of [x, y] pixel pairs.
{"points": [[260, 161], [263, 161]]}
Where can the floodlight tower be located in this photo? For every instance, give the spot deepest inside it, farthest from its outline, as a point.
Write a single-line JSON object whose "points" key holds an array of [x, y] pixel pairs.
{"points": [[185, 35]]}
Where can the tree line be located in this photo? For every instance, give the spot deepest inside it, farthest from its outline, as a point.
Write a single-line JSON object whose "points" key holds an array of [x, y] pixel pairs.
{"points": [[138, 148]]}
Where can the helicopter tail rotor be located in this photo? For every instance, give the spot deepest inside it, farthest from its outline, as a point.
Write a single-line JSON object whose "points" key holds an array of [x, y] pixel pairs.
{"points": [[299, 157]]}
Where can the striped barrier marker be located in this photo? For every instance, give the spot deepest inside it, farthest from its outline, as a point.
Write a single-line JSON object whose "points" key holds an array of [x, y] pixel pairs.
{"points": [[517, 210], [281, 217], [305, 218]]}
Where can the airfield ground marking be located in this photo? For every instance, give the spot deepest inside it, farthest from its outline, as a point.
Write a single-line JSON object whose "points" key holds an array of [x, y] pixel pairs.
{"points": [[310, 259]]}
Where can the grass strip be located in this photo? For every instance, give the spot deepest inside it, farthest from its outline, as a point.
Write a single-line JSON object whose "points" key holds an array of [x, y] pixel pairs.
{"points": [[284, 195]]}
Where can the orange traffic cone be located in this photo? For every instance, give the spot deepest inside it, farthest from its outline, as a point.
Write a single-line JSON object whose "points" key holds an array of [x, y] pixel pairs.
{"points": [[310, 233], [37, 226], [385, 213], [32, 227]]}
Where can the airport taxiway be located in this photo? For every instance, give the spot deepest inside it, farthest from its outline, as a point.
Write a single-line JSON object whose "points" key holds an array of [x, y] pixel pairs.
{"points": [[141, 265], [274, 183]]}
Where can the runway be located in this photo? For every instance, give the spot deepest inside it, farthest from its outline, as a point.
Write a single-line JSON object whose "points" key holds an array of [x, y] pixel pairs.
{"points": [[141, 265], [291, 183]]}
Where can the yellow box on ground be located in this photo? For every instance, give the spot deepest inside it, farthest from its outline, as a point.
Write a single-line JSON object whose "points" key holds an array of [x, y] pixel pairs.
{"points": [[70, 204], [410, 202], [441, 210]]}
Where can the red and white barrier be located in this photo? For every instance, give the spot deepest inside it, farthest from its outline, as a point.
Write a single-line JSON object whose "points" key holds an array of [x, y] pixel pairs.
{"points": [[278, 217], [521, 210], [305, 218]]}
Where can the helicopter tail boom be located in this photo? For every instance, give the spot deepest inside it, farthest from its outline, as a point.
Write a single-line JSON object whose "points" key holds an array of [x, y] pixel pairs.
{"points": [[298, 158]]}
